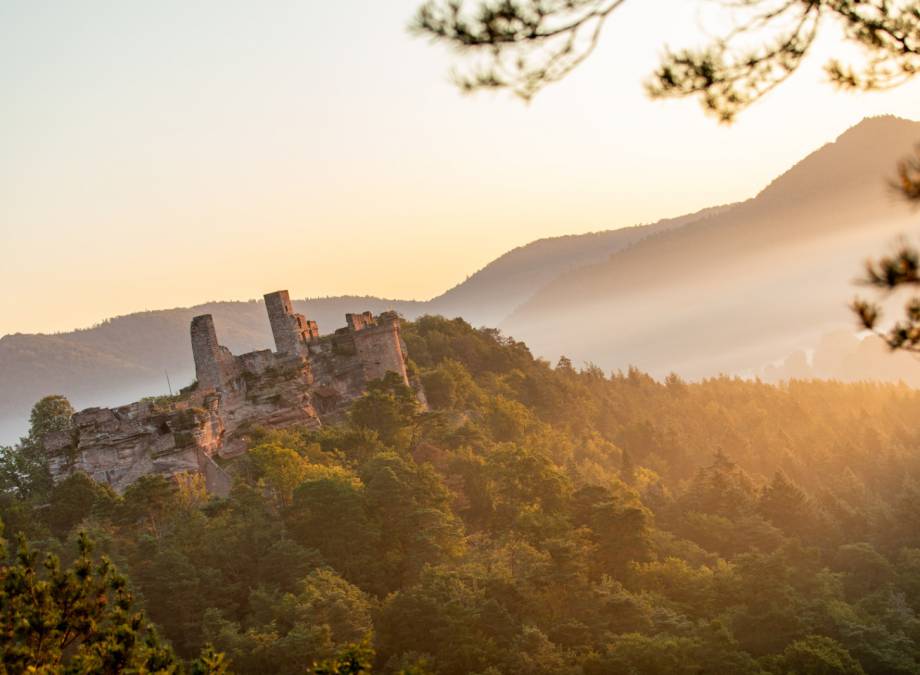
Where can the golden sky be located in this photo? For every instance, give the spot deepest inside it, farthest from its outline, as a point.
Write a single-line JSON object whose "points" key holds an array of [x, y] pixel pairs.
{"points": [[163, 154]]}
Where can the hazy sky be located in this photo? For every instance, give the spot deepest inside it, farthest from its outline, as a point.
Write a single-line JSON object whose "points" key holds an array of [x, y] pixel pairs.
{"points": [[156, 154]]}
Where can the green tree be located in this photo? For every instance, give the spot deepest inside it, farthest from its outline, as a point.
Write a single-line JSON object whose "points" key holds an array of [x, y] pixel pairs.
{"points": [[210, 662], [665, 654], [448, 615], [23, 472], [389, 408], [508, 419], [354, 659], [786, 506], [331, 516], [281, 468], [620, 528], [151, 502], [175, 593], [865, 568], [410, 507], [79, 619], [528, 491], [75, 498], [723, 488], [440, 388], [818, 655], [52, 413], [286, 632], [24, 469]]}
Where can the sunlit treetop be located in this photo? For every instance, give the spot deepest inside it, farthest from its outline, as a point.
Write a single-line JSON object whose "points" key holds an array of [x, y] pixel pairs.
{"points": [[524, 45]]}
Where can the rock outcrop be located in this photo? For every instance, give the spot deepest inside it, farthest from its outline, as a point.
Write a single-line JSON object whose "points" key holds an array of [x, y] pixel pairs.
{"points": [[308, 380]]}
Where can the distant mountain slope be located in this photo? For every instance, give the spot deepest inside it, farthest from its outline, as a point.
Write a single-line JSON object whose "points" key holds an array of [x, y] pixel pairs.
{"points": [[744, 286], [127, 357], [495, 291]]}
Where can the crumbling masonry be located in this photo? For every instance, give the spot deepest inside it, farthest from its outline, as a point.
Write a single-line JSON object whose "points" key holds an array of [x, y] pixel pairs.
{"points": [[308, 380]]}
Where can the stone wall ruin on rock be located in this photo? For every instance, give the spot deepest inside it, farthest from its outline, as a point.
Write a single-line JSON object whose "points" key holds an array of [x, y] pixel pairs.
{"points": [[308, 380]]}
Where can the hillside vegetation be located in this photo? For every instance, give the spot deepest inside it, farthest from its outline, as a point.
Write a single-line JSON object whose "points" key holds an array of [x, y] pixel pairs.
{"points": [[538, 519]]}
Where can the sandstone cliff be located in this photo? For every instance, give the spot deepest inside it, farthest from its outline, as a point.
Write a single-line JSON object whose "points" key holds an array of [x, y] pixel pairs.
{"points": [[308, 380]]}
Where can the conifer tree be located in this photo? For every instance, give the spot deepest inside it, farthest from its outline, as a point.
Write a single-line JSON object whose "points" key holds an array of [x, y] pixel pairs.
{"points": [[78, 620]]}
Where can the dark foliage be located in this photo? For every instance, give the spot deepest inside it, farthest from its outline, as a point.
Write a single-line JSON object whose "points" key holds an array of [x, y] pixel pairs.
{"points": [[524, 45], [537, 520]]}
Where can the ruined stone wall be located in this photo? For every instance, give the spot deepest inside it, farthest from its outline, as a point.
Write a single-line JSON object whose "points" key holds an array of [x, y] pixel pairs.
{"points": [[360, 321], [116, 446], [380, 349], [256, 363], [274, 390], [309, 381], [215, 366], [292, 332], [206, 352]]}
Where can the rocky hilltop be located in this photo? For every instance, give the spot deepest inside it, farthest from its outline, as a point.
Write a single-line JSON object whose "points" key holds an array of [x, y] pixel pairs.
{"points": [[309, 379]]}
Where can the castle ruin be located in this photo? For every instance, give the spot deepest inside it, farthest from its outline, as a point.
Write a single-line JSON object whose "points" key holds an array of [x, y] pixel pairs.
{"points": [[309, 379]]}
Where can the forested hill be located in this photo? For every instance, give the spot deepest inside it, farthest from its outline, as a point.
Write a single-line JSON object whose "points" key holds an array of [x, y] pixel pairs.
{"points": [[745, 286], [537, 520]]}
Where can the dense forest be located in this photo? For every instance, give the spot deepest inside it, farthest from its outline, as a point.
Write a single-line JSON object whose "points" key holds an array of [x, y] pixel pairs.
{"points": [[532, 519]]}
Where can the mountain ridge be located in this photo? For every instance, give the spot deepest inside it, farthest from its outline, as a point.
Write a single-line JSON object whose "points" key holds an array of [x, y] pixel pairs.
{"points": [[129, 356], [800, 240]]}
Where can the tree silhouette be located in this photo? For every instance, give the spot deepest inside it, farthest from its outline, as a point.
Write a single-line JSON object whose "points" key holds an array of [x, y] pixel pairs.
{"points": [[896, 271], [524, 45]]}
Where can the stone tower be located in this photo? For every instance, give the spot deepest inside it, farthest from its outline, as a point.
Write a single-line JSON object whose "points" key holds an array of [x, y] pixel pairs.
{"points": [[309, 381], [215, 366], [378, 344], [292, 332], [206, 352]]}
